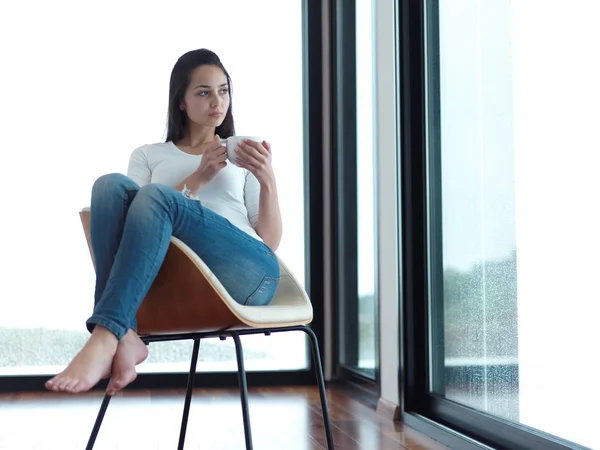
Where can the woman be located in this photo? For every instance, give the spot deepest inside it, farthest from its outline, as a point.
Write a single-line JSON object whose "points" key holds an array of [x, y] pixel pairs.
{"points": [[182, 187]]}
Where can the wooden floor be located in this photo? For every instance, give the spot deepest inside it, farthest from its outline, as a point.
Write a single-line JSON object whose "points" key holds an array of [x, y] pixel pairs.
{"points": [[282, 419]]}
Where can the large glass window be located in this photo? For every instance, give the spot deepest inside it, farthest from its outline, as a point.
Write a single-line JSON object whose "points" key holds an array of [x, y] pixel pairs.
{"points": [[355, 189], [82, 86], [365, 155], [513, 160]]}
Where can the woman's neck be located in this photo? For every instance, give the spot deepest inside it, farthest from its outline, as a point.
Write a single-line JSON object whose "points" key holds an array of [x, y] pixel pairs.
{"points": [[195, 136]]}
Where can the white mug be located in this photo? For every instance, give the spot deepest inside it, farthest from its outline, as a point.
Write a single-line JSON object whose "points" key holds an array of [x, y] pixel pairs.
{"points": [[231, 143]]}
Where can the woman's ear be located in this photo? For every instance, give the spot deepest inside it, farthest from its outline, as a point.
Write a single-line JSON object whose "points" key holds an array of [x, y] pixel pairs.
{"points": [[182, 106]]}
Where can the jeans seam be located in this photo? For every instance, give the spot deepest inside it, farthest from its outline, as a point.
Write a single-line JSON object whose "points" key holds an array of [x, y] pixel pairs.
{"points": [[153, 267], [260, 285]]}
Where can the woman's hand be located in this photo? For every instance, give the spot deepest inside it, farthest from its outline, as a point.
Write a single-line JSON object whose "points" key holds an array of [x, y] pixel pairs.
{"points": [[214, 157], [256, 157]]}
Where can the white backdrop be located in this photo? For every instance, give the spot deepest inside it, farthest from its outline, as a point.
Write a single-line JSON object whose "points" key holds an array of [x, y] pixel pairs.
{"points": [[82, 85]]}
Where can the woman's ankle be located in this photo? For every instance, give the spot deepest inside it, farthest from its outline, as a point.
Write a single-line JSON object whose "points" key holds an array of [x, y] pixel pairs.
{"points": [[104, 334]]}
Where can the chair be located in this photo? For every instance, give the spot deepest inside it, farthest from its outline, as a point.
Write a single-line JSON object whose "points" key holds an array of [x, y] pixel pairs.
{"points": [[187, 301]]}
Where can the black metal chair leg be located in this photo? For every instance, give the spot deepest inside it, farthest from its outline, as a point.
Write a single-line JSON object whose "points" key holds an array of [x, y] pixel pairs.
{"points": [[321, 382], [99, 418], [243, 389], [188, 394]]}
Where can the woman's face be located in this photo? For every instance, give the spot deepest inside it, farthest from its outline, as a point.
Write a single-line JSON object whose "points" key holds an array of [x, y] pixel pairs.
{"points": [[206, 99]]}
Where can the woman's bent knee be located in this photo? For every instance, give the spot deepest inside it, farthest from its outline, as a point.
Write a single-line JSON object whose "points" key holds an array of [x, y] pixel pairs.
{"points": [[155, 194], [113, 182], [153, 190]]}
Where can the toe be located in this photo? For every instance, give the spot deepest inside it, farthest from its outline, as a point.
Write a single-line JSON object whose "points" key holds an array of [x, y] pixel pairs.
{"points": [[82, 386], [111, 389], [120, 382], [55, 383], [63, 383], [70, 386], [116, 384], [76, 387]]}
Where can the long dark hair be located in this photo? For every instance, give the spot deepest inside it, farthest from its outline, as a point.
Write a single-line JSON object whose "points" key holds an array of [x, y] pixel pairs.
{"points": [[180, 80]]}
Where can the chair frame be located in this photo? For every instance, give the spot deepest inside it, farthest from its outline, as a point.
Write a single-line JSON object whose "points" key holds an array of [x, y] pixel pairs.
{"points": [[235, 334]]}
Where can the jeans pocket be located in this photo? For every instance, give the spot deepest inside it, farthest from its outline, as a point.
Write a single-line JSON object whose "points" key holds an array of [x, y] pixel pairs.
{"points": [[264, 292]]}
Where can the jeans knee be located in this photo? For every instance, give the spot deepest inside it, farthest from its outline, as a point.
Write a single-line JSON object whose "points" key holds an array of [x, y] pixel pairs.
{"points": [[154, 194], [112, 182], [152, 190]]}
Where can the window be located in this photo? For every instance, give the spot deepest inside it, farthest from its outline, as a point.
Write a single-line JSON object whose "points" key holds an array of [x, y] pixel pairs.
{"points": [[355, 212], [367, 308], [499, 224], [86, 86]]}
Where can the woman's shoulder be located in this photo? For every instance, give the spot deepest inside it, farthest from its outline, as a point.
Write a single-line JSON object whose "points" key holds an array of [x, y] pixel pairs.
{"points": [[157, 149]]}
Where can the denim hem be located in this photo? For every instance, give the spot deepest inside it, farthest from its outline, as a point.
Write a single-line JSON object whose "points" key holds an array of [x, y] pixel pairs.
{"points": [[111, 325]]}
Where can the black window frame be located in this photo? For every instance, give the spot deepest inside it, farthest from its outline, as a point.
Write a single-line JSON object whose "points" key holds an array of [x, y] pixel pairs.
{"points": [[451, 423], [345, 214], [313, 34]]}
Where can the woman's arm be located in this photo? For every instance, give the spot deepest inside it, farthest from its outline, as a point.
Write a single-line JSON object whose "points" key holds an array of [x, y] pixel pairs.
{"points": [[269, 226], [256, 158], [138, 168]]}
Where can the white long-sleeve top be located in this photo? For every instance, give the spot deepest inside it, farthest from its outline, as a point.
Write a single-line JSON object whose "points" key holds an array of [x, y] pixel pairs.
{"points": [[233, 192]]}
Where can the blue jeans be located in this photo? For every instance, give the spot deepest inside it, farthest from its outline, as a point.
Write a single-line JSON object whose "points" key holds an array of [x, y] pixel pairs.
{"points": [[131, 229]]}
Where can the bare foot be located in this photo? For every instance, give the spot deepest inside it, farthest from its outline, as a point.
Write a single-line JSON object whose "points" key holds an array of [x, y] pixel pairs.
{"points": [[130, 352], [92, 363]]}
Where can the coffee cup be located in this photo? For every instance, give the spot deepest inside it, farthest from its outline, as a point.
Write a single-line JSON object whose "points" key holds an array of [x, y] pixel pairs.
{"points": [[232, 142]]}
